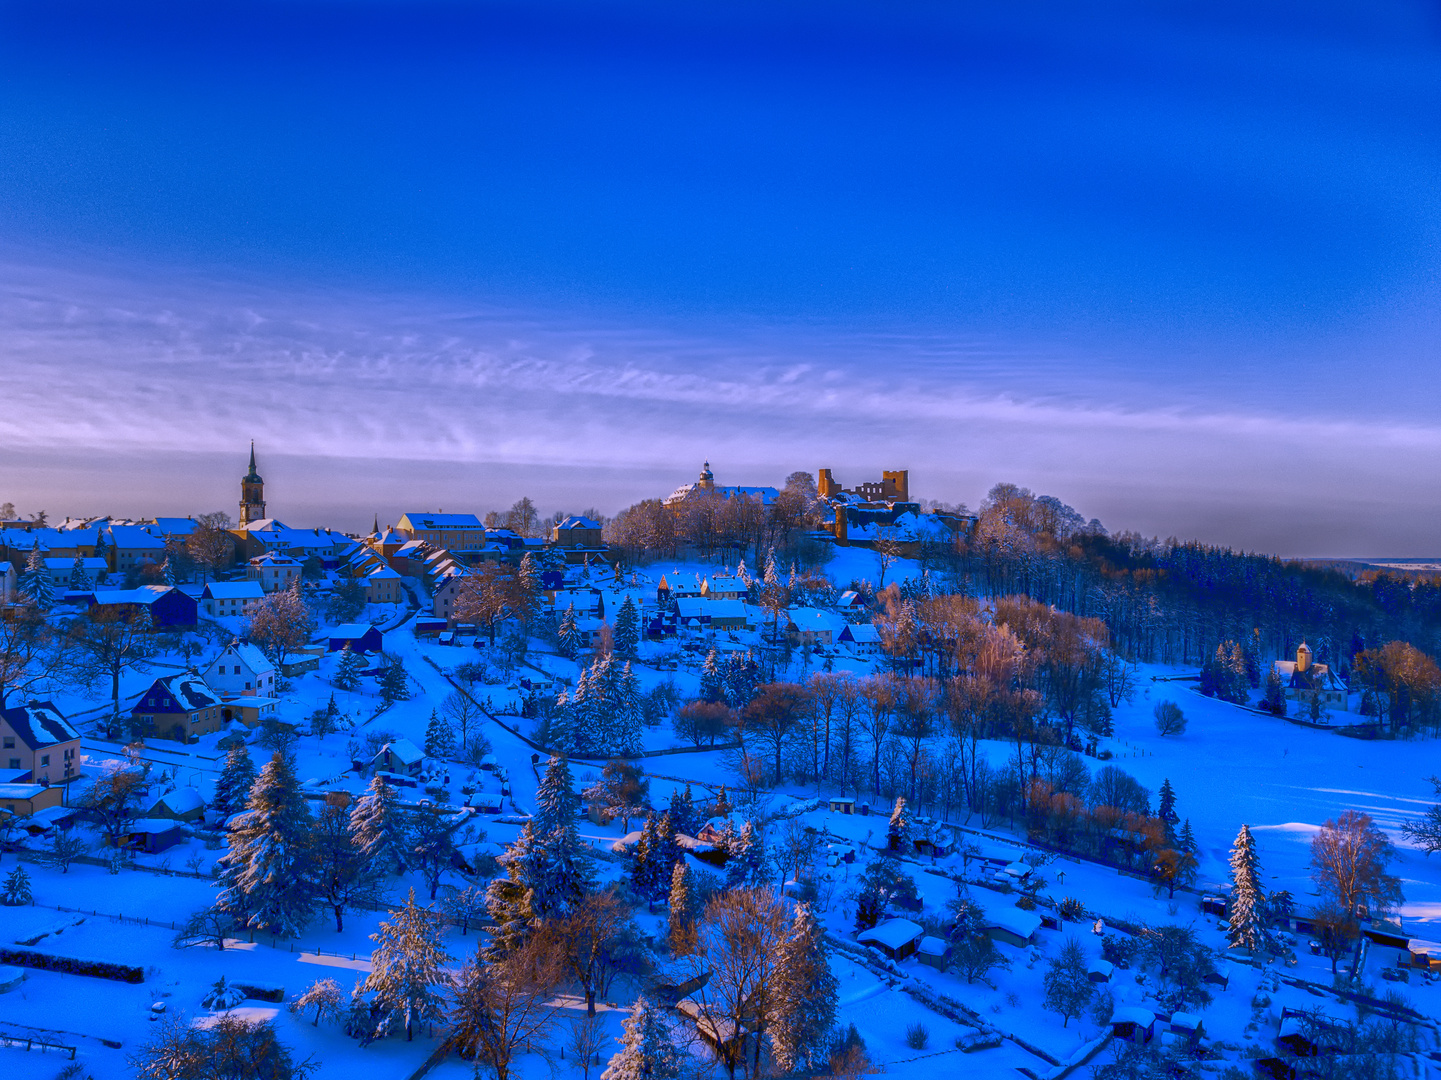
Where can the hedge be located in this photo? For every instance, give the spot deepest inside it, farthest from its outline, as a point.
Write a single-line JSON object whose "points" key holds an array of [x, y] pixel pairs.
{"points": [[70, 965]]}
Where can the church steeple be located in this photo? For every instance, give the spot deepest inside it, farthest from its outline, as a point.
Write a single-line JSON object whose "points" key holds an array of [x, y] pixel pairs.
{"points": [[252, 493]]}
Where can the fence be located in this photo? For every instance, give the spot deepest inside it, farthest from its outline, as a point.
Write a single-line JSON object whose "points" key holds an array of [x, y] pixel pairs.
{"points": [[28, 1042]]}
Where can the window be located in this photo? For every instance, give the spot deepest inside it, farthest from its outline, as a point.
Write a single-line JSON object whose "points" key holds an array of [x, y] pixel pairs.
{"points": [[195, 718], [9, 742], [44, 759], [15, 763], [247, 684]]}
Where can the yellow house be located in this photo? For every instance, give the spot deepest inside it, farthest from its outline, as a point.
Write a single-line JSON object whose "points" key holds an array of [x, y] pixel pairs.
{"points": [[37, 739], [180, 707], [459, 532], [25, 799]]}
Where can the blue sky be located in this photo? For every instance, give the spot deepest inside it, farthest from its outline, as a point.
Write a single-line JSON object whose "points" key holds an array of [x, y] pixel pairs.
{"points": [[1177, 268]]}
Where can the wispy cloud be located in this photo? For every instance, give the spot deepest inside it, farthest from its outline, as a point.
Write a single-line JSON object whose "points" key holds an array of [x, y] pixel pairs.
{"points": [[112, 365]]}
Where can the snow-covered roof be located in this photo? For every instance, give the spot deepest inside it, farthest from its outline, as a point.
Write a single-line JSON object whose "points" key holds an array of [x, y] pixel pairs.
{"points": [[578, 522], [248, 655], [932, 946], [1012, 919], [146, 595], [20, 791], [1185, 1021], [893, 934], [1133, 1014], [431, 522], [233, 590], [190, 690], [815, 620], [349, 630], [180, 801], [40, 724], [403, 750], [864, 633], [153, 826]]}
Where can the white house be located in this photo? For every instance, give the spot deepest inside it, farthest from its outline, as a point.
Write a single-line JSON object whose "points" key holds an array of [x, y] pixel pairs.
{"points": [[864, 639], [220, 598], [241, 671], [273, 571], [62, 573], [7, 582], [811, 626]]}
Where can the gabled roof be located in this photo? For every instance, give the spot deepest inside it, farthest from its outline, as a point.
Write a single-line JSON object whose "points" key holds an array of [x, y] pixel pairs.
{"points": [[249, 655], [443, 521], [40, 724], [190, 690], [402, 750], [893, 934], [180, 801], [146, 595], [577, 522], [351, 631], [232, 590], [135, 536]]}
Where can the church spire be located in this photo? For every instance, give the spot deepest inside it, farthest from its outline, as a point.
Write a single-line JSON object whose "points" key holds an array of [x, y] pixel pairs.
{"points": [[252, 493]]}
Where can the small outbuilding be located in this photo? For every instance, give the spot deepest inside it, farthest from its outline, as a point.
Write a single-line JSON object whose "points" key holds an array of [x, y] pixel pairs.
{"points": [[934, 952], [841, 806], [1134, 1024], [152, 835], [22, 799], [895, 938], [1012, 926], [1100, 971], [1424, 954], [361, 637]]}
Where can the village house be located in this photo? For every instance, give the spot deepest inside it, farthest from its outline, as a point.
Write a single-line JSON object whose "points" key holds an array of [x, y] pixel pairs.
{"points": [[383, 586], [577, 537], [459, 532], [8, 579], [811, 626], [445, 593], [64, 576], [401, 756], [133, 546], [272, 571], [38, 740], [230, 598], [242, 670], [723, 587], [166, 605], [180, 707], [863, 638], [701, 614]]}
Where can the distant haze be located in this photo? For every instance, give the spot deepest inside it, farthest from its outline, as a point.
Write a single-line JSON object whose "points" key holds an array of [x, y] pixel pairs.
{"points": [[1176, 268]]}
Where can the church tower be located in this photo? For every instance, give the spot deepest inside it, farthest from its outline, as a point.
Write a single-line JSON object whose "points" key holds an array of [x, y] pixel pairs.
{"points": [[252, 493]]}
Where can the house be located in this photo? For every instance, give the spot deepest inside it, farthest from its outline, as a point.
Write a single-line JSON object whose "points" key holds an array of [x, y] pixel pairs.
{"points": [[272, 571], [863, 638], [401, 756], [241, 671], [1303, 678], [152, 835], [894, 938], [65, 575], [445, 592], [1424, 954], [934, 952], [1012, 926], [811, 626], [133, 546], [182, 804], [1134, 1024], [248, 710], [698, 613], [458, 532], [38, 740], [361, 637], [383, 586], [723, 587], [166, 605], [226, 598], [180, 707], [8, 580], [717, 829], [26, 799], [577, 537]]}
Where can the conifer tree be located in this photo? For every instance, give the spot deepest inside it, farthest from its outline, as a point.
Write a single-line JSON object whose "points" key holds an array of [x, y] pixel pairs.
{"points": [[1274, 701], [1166, 810], [439, 737], [527, 592], [684, 909], [712, 684], [1245, 912], [645, 860], [232, 786], [1187, 842], [407, 970], [101, 548], [627, 631], [34, 585], [79, 581], [167, 572], [347, 671], [561, 730], [263, 884], [377, 827], [682, 811], [805, 996], [567, 635], [394, 686], [629, 716], [770, 576], [559, 868], [509, 900], [17, 891], [647, 1050], [898, 832], [746, 862]]}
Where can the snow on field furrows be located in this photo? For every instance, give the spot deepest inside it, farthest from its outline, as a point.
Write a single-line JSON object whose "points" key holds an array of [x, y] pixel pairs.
{"points": [[1231, 766]]}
